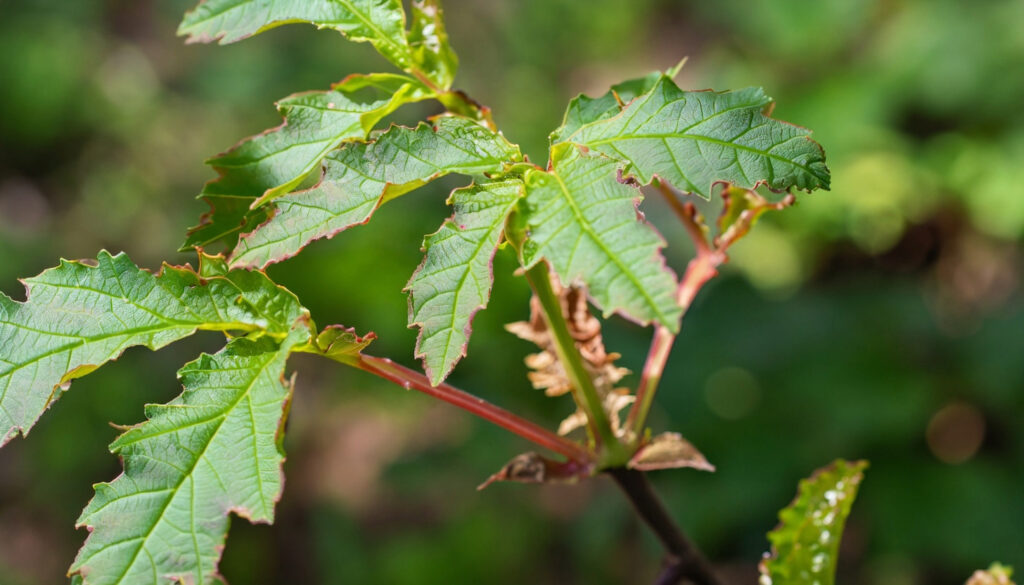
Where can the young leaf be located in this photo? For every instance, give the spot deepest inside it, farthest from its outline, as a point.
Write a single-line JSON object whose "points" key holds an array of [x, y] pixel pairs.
{"points": [[429, 41], [694, 138], [214, 450], [78, 317], [586, 224], [274, 162], [454, 281], [359, 177], [339, 343], [805, 545], [379, 22]]}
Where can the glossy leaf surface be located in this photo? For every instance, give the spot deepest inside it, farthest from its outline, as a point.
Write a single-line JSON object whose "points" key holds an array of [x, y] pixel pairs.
{"points": [[805, 545], [455, 279]]}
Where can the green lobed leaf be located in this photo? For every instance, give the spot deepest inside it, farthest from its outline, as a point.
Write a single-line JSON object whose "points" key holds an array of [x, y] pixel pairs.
{"points": [[423, 50], [274, 162], [379, 22], [805, 545], [78, 317], [584, 109], [693, 139], [428, 39], [585, 223], [214, 450], [359, 177], [454, 281]]}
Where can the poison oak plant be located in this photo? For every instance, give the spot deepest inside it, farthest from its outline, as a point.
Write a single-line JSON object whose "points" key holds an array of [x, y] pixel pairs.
{"points": [[574, 224]]}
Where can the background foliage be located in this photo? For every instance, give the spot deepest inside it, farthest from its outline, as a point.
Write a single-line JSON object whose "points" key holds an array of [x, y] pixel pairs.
{"points": [[880, 321]]}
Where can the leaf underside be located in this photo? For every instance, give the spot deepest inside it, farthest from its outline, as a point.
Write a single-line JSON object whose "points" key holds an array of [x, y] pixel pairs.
{"points": [[270, 164], [360, 176], [585, 223], [78, 317], [213, 450], [380, 22], [423, 49], [805, 545], [693, 139], [454, 281]]}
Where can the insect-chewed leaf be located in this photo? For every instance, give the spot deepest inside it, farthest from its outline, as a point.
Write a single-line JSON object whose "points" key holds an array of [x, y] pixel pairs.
{"points": [[805, 545], [358, 177], [272, 163], [454, 281], [213, 450], [693, 139], [585, 223], [78, 317]]}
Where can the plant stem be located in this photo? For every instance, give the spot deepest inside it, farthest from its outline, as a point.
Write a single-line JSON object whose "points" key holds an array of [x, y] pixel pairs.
{"points": [[685, 561], [584, 391], [702, 268], [411, 379]]}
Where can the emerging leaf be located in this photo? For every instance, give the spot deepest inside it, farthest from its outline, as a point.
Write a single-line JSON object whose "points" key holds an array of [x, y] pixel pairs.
{"points": [[270, 164], [586, 224], [429, 41], [805, 545], [454, 281], [213, 450], [338, 343], [78, 317], [693, 139], [359, 177]]}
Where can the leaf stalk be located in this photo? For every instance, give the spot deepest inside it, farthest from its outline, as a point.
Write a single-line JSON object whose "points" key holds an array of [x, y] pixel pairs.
{"points": [[583, 390], [412, 380], [702, 268]]}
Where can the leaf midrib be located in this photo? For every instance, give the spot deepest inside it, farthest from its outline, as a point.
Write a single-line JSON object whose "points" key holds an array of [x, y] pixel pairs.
{"points": [[199, 457], [700, 138], [585, 224]]}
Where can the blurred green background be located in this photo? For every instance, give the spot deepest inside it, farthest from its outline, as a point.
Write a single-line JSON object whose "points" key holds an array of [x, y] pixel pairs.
{"points": [[881, 320]]}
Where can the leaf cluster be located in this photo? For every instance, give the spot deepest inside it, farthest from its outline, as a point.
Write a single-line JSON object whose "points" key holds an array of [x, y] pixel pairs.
{"points": [[216, 449]]}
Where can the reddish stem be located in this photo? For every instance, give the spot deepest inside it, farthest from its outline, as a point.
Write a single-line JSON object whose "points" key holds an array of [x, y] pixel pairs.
{"points": [[413, 380], [702, 268]]}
